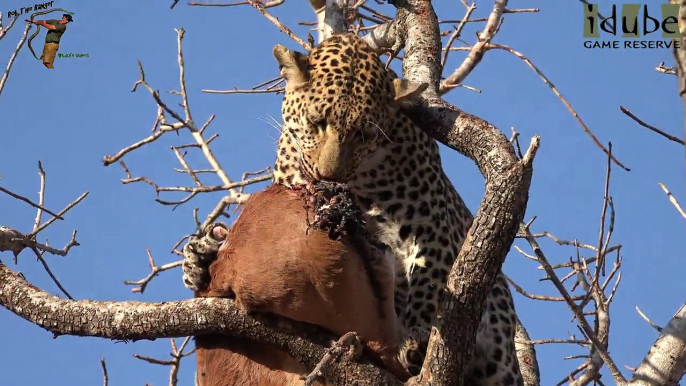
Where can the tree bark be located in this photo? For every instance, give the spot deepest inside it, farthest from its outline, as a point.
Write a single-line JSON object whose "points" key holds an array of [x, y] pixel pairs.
{"points": [[138, 320], [666, 361], [526, 356], [479, 261]]}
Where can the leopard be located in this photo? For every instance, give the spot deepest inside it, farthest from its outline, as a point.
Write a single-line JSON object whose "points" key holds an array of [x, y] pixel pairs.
{"points": [[343, 122]]}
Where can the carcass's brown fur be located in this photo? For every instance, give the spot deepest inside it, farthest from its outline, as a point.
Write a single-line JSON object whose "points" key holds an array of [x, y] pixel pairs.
{"points": [[269, 263]]}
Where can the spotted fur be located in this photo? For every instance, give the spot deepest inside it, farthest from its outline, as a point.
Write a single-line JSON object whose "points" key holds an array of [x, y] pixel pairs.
{"points": [[341, 122]]}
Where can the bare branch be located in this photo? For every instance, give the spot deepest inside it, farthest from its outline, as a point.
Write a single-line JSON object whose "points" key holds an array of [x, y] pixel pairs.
{"points": [[174, 363], [649, 127], [505, 11], [61, 213], [15, 241], [348, 340], [105, 378], [154, 271], [275, 20], [109, 159], [6, 75], [600, 257], [665, 70], [672, 199], [40, 258], [182, 75], [268, 4], [26, 200], [537, 297], [583, 322], [4, 31], [457, 33], [41, 197], [238, 91], [478, 50], [562, 99], [526, 356], [655, 326], [137, 320], [665, 363]]}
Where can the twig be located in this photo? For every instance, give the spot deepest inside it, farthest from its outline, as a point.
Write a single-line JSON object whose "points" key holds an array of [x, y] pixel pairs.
{"points": [[268, 4], [665, 70], [600, 262], [647, 319], [41, 196], [110, 159], [6, 75], [347, 340], [237, 91], [601, 326], [182, 123], [105, 378], [15, 241], [549, 341], [197, 189], [478, 49], [537, 297], [583, 322], [555, 91], [515, 140], [62, 212], [505, 11], [276, 80], [221, 207], [154, 271], [672, 199], [650, 127], [574, 243], [197, 134], [3, 31], [245, 176], [52, 276], [562, 99], [457, 33], [187, 168], [175, 362], [263, 10], [182, 75], [26, 200]]}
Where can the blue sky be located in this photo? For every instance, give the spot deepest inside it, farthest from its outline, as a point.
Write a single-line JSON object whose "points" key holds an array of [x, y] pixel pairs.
{"points": [[71, 117]]}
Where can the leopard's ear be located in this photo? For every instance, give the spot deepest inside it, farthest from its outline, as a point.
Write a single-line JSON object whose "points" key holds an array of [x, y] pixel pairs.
{"points": [[292, 65], [405, 90]]}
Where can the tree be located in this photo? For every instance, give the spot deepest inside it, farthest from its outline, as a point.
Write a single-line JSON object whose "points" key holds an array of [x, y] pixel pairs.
{"points": [[506, 169]]}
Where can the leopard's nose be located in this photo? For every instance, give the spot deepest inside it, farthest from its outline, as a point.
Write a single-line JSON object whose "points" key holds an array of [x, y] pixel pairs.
{"points": [[331, 161], [328, 172]]}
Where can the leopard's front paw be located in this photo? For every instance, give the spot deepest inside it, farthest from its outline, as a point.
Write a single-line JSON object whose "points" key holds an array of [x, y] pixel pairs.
{"points": [[413, 349], [200, 250]]}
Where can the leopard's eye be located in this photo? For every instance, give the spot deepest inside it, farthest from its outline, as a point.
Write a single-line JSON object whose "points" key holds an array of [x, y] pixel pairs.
{"points": [[320, 124], [368, 132]]}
